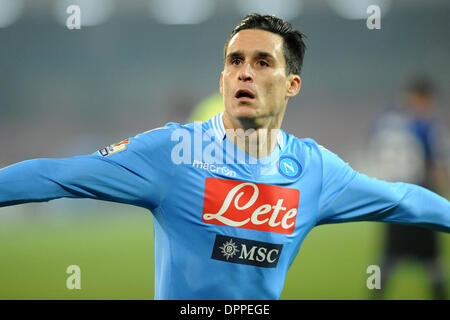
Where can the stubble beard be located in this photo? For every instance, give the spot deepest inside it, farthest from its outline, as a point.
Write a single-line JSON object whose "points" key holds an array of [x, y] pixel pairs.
{"points": [[268, 120]]}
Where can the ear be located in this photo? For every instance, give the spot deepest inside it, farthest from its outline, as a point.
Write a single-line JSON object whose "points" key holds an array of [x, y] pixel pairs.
{"points": [[221, 83], [293, 86]]}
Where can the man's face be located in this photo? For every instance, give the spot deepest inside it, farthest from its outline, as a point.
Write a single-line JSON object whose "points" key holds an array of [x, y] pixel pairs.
{"points": [[254, 83], [420, 103]]}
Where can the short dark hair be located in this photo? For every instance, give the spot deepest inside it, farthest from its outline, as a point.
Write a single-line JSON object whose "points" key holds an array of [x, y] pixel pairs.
{"points": [[422, 85], [293, 45]]}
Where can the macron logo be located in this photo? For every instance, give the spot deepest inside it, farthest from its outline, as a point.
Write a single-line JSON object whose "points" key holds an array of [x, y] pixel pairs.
{"points": [[214, 168]]}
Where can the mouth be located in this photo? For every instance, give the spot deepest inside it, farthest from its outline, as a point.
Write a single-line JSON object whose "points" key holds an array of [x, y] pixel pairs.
{"points": [[244, 94]]}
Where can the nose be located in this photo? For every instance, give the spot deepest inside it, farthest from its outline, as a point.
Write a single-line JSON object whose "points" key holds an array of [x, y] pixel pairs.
{"points": [[246, 73]]}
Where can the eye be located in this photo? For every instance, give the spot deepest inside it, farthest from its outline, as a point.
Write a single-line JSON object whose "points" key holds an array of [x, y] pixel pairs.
{"points": [[236, 61], [263, 63]]}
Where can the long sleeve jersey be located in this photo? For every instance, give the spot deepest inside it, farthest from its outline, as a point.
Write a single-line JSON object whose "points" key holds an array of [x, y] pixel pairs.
{"points": [[227, 225]]}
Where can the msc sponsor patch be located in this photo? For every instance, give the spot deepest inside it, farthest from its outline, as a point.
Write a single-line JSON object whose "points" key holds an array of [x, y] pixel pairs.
{"points": [[114, 148], [244, 251]]}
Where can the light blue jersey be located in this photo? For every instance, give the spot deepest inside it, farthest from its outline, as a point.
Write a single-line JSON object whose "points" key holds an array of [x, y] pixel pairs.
{"points": [[225, 229]]}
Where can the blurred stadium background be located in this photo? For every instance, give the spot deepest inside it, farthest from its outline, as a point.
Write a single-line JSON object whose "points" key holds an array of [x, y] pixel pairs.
{"points": [[138, 64]]}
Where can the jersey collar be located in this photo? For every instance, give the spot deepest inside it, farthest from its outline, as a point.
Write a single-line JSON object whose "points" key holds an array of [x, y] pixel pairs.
{"points": [[219, 128]]}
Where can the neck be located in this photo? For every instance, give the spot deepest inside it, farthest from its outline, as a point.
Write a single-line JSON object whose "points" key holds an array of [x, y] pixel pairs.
{"points": [[257, 138]]}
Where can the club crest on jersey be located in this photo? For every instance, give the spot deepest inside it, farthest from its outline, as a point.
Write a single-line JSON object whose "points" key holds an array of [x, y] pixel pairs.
{"points": [[250, 205], [289, 167], [114, 148]]}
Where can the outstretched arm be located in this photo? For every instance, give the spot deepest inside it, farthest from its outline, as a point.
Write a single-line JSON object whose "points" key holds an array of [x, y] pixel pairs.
{"points": [[351, 196], [129, 176]]}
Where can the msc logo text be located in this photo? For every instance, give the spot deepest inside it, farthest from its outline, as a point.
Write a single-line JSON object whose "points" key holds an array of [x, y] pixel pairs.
{"points": [[244, 251]]}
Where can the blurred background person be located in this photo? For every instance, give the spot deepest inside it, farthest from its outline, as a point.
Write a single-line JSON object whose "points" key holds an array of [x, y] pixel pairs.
{"points": [[406, 144], [207, 108]]}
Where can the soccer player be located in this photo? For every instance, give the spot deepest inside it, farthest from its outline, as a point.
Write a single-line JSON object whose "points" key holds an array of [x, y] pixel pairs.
{"points": [[407, 145], [233, 197]]}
